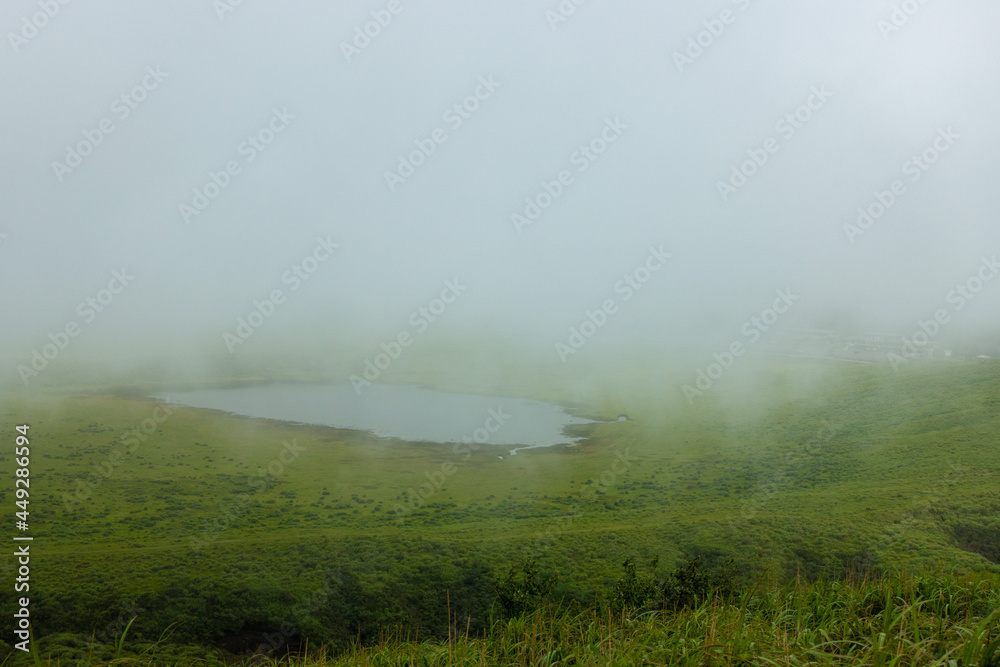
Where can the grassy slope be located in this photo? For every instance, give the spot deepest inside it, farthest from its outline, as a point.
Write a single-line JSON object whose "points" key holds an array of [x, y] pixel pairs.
{"points": [[901, 468]]}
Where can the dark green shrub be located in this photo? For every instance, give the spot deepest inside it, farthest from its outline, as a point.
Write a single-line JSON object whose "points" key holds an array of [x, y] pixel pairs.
{"points": [[516, 595], [632, 591], [691, 584]]}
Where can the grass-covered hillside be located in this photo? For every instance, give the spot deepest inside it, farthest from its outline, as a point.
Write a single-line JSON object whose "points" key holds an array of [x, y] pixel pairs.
{"points": [[221, 530]]}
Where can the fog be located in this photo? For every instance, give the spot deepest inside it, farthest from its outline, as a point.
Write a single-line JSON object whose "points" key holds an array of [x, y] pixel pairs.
{"points": [[667, 171]]}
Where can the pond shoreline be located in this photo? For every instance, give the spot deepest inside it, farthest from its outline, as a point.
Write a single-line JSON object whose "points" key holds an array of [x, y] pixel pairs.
{"points": [[409, 413]]}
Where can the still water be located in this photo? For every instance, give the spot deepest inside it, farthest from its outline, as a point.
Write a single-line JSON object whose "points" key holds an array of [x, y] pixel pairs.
{"points": [[395, 411]]}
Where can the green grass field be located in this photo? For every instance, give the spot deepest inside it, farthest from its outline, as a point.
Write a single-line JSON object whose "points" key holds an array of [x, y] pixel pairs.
{"points": [[236, 527]]}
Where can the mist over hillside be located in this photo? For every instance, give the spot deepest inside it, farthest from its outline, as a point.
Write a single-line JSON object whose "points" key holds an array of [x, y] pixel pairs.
{"points": [[258, 181], [348, 325]]}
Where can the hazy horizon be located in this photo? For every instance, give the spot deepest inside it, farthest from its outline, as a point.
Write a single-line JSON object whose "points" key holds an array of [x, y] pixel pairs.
{"points": [[515, 170]]}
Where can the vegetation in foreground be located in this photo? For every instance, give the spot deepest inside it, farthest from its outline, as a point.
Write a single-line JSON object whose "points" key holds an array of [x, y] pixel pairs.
{"points": [[815, 472], [689, 618]]}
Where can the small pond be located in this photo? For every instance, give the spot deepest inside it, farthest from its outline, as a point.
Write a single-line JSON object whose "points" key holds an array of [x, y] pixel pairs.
{"points": [[395, 411]]}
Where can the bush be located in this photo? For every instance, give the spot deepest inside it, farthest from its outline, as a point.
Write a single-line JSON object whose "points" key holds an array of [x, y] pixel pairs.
{"points": [[632, 591], [686, 587], [518, 595]]}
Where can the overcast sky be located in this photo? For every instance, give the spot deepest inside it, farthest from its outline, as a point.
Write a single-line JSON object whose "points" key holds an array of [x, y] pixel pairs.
{"points": [[823, 106]]}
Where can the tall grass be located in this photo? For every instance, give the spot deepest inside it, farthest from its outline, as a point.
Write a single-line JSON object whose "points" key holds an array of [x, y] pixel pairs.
{"points": [[894, 619]]}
